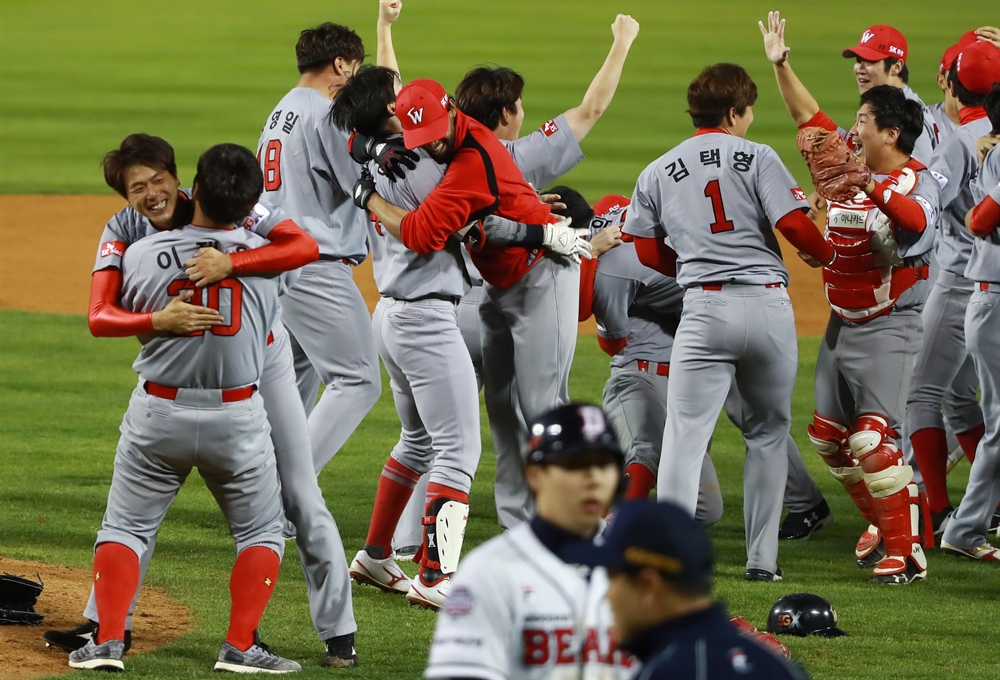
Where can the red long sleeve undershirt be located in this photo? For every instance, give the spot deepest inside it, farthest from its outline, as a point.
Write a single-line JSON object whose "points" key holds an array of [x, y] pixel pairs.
{"points": [[985, 217], [290, 247], [588, 269], [656, 254], [800, 231], [611, 347], [904, 212], [105, 317]]}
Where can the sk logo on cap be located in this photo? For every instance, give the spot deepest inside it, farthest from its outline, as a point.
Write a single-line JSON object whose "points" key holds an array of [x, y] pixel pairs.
{"points": [[416, 115], [868, 35]]}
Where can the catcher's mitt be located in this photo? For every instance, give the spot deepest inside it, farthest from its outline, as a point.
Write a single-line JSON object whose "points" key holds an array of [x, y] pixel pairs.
{"points": [[17, 600], [836, 172]]}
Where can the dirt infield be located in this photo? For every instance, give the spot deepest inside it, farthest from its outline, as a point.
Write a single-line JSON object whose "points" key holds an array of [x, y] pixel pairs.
{"points": [[48, 243], [23, 653]]}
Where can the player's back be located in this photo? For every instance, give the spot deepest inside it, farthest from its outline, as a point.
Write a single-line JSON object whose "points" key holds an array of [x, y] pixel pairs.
{"points": [[309, 174], [230, 354], [925, 144], [717, 197], [984, 263]]}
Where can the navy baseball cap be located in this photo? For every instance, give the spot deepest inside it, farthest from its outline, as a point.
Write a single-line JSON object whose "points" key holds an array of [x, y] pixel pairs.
{"points": [[660, 536]]}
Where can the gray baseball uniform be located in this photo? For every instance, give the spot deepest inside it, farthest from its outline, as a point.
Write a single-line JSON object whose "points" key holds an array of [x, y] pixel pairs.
{"points": [[970, 522], [203, 383], [943, 352], [943, 125], [923, 148], [310, 175], [716, 197], [317, 537]]}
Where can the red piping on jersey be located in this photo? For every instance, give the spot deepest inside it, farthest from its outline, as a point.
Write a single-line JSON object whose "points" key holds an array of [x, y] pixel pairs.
{"points": [[105, 318], [610, 346], [710, 130], [967, 114], [588, 269], [804, 236], [902, 211], [290, 247], [985, 217], [656, 255], [820, 120]]}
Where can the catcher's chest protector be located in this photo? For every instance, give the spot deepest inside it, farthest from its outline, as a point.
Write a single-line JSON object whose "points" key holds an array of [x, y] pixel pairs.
{"points": [[866, 278]]}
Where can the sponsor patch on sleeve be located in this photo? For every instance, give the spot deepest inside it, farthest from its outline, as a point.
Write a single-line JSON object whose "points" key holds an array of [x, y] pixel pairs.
{"points": [[256, 216], [459, 602], [798, 194], [113, 249], [550, 128], [942, 180]]}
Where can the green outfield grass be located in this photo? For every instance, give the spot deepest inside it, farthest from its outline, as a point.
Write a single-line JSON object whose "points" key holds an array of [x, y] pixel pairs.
{"points": [[77, 76], [62, 395]]}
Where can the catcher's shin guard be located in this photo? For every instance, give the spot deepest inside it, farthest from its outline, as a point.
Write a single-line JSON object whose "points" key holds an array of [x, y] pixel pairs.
{"points": [[444, 533], [829, 438], [897, 503], [870, 431]]}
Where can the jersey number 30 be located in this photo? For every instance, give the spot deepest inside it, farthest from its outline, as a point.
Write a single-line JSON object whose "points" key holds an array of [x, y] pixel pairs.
{"points": [[235, 288], [271, 163], [720, 224]]}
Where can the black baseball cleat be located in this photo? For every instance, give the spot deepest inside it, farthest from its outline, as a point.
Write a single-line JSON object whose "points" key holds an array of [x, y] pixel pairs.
{"points": [[340, 652], [939, 521], [799, 525], [874, 557], [909, 575], [72, 640], [995, 522], [761, 575]]}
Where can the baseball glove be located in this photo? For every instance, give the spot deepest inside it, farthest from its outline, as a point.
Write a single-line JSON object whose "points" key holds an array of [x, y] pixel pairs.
{"points": [[17, 600], [836, 172]]}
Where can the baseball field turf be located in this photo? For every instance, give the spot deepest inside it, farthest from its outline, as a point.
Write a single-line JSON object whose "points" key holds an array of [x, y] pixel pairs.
{"points": [[76, 77]]}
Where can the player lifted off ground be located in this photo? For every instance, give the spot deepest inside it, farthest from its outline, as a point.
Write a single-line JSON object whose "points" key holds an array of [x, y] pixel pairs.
{"points": [[522, 605], [144, 172], [204, 384], [717, 198], [880, 224]]}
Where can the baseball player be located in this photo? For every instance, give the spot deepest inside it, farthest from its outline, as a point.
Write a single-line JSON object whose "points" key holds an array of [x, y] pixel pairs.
{"points": [[205, 383], [716, 197], [965, 535], [143, 171], [881, 226], [638, 310], [944, 353], [946, 112], [543, 615], [308, 172]]}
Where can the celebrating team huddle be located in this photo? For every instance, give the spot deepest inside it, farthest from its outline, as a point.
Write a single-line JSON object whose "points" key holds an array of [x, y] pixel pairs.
{"points": [[241, 291]]}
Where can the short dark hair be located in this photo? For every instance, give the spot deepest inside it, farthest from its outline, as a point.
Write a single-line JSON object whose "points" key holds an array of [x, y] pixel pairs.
{"points": [[965, 97], [717, 89], [893, 110], [319, 47], [362, 103], [137, 149], [485, 93], [576, 206], [904, 73], [699, 588], [992, 104], [229, 181]]}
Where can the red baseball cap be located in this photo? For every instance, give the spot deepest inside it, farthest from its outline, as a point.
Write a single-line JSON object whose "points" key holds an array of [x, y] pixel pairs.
{"points": [[952, 52], [422, 109], [978, 67], [609, 203], [878, 43]]}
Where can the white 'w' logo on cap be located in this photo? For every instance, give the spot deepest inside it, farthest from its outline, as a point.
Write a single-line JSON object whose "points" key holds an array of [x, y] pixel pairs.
{"points": [[868, 35], [416, 115]]}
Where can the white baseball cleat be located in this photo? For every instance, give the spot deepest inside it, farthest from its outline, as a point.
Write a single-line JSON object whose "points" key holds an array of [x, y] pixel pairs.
{"points": [[429, 597], [383, 574]]}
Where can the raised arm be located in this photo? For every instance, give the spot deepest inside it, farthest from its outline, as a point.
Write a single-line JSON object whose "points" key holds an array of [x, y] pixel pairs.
{"points": [[799, 102], [388, 12], [290, 247], [602, 88]]}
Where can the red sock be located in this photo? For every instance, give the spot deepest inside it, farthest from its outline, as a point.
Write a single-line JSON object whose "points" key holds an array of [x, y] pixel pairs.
{"points": [[930, 448], [640, 481], [250, 586], [395, 487], [969, 440], [116, 576]]}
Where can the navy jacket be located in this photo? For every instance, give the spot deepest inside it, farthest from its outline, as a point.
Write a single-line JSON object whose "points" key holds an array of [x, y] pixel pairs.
{"points": [[704, 646]]}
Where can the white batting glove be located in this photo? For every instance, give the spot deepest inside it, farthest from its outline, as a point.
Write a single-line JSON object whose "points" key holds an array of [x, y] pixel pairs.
{"points": [[562, 238]]}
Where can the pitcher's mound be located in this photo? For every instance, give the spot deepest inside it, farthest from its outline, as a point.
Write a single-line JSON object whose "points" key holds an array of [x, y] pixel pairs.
{"points": [[23, 653]]}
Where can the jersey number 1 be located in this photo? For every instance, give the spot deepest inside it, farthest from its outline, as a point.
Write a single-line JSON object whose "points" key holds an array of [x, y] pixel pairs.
{"points": [[720, 224], [272, 165], [235, 288]]}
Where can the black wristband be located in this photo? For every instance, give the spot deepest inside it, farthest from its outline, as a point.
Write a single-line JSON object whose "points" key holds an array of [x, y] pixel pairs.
{"points": [[534, 235]]}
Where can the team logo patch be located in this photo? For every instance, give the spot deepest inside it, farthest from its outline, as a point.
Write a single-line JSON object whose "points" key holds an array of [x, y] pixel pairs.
{"points": [[416, 115], [113, 248], [798, 194], [942, 180], [550, 128], [866, 36], [459, 602]]}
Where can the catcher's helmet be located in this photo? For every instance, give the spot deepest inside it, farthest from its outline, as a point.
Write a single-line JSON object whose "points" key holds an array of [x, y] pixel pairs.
{"points": [[563, 435], [803, 614]]}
